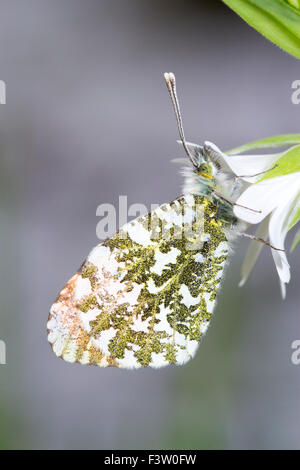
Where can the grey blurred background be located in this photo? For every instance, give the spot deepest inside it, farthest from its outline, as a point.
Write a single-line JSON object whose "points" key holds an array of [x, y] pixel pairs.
{"points": [[87, 119]]}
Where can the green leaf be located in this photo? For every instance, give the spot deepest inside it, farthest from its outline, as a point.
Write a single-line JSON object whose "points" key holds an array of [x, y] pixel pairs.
{"points": [[269, 142], [294, 3], [296, 241], [277, 20], [289, 162]]}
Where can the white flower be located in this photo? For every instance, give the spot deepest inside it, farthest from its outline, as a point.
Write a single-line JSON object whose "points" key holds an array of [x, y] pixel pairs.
{"points": [[277, 200]]}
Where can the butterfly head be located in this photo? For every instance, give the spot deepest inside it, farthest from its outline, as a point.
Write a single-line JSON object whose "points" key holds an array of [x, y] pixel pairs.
{"points": [[203, 167], [205, 171]]}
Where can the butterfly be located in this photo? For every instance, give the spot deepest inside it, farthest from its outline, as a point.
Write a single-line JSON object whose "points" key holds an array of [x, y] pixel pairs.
{"points": [[145, 296]]}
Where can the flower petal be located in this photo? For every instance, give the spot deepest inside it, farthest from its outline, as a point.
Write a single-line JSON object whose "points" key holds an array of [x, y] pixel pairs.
{"points": [[266, 196], [254, 251], [282, 266], [278, 228], [247, 166], [282, 216], [282, 288]]}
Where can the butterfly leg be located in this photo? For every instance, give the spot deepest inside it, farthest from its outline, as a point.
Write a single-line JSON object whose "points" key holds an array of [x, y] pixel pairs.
{"points": [[233, 203], [258, 239], [257, 174]]}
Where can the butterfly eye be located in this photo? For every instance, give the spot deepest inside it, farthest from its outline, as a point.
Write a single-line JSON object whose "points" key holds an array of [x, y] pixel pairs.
{"points": [[205, 171]]}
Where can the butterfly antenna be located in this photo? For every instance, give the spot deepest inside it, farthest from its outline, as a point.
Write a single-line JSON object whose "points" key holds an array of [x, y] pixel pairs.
{"points": [[171, 85]]}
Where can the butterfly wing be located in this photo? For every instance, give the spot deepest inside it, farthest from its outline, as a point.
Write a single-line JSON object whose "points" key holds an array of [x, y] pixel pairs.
{"points": [[145, 296]]}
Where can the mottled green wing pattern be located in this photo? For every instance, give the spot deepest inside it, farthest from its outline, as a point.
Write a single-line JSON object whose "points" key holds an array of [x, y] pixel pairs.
{"points": [[145, 296]]}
